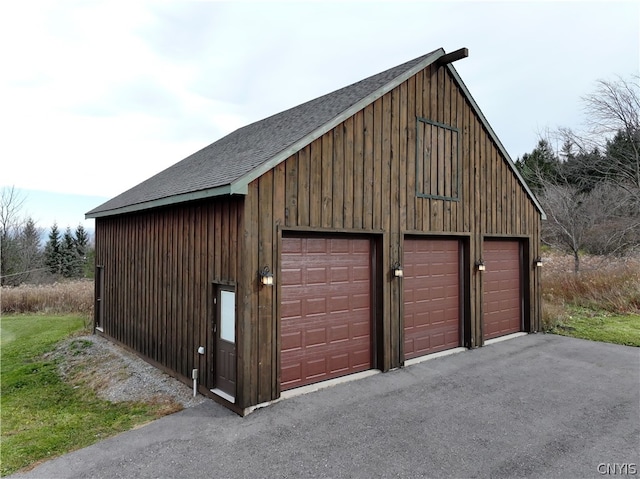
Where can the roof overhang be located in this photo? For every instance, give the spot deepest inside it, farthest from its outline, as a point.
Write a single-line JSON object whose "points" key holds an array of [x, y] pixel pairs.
{"points": [[232, 189]]}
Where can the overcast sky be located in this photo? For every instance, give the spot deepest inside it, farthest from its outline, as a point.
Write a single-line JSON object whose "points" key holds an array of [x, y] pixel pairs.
{"points": [[98, 96]]}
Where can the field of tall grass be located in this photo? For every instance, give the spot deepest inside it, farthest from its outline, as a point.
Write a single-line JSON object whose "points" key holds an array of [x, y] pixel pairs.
{"points": [[69, 297], [606, 286], [603, 284]]}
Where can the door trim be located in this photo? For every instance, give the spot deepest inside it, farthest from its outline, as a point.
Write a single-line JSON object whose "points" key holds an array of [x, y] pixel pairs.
{"points": [[224, 386]]}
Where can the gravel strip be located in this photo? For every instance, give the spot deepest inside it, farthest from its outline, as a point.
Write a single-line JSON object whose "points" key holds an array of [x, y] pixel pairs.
{"points": [[118, 375]]}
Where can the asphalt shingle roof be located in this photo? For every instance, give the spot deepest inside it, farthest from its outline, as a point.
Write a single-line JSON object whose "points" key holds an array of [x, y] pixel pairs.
{"points": [[237, 154], [229, 164]]}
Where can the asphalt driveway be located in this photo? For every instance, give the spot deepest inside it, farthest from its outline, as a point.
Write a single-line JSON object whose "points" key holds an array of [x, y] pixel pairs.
{"points": [[534, 406]]}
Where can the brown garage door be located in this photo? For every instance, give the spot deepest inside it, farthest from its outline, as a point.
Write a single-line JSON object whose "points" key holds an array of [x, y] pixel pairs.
{"points": [[431, 296], [502, 297], [326, 309]]}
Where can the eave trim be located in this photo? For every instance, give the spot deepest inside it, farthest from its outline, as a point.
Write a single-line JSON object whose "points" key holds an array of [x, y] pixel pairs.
{"points": [[231, 189]]}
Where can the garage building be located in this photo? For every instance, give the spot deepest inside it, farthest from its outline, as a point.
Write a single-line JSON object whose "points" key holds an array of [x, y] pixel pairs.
{"points": [[377, 224]]}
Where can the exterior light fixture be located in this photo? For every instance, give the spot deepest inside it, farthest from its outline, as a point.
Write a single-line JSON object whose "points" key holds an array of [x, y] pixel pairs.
{"points": [[266, 276], [537, 262], [397, 270], [480, 265]]}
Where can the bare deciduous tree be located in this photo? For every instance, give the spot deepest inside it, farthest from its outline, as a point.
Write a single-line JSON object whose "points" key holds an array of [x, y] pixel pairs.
{"points": [[592, 197], [612, 114], [567, 224], [603, 220], [11, 203]]}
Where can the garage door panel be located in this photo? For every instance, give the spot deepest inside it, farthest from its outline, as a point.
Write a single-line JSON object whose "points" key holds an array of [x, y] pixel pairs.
{"points": [[360, 274], [315, 337], [290, 372], [431, 296], [339, 304], [314, 245], [340, 333], [293, 274], [314, 306], [292, 308], [502, 289], [339, 274], [339, 363], [292, 245], [361, 302], [334, 324], [361, 330], [316, 275], [316, 367], [292, 340]]}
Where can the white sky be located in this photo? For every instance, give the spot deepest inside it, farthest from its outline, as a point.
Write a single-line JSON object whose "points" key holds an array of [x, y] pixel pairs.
{"points": [[97, 96]]}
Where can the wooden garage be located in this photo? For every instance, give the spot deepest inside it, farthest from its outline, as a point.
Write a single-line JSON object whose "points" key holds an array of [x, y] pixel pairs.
{"points": [[378, 223]]}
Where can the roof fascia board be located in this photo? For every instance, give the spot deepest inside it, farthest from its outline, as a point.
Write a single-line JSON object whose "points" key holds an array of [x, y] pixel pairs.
{"points": [[495, 138], [172, 200], [318, 132]]}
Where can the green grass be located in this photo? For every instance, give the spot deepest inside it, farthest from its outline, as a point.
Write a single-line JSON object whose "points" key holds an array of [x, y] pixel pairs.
{"points": [[41, 415], [600, 326]]}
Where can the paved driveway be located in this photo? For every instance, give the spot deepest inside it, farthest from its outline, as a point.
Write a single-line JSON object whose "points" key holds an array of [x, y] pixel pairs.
{"points": [[534, 406]]}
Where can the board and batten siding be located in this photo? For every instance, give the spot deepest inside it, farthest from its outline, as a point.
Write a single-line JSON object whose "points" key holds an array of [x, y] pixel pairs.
{"points": [[159, 267], [360, 177]]}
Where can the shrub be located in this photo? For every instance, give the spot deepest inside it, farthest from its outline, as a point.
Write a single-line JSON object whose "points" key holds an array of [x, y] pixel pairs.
{"points": [[553, 314]]}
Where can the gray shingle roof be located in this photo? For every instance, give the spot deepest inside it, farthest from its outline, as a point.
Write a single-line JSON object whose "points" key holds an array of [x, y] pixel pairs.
{"points": [[231, 163], [232, 157]]}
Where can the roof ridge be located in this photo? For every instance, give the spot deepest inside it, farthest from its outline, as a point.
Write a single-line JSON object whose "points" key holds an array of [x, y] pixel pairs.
{"points": [[370, 77]]}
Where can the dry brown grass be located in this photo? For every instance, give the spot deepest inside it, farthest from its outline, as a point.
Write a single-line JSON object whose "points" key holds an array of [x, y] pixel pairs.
{"points": [[70, 297], [612, 285]]}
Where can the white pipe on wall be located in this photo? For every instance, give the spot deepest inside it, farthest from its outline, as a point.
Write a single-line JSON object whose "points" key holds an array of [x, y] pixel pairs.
{"points": [[194, 376]]}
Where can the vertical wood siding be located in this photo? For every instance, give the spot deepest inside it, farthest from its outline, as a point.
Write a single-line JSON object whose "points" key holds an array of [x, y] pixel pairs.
{"points": [[361, 177], [159, 267]]}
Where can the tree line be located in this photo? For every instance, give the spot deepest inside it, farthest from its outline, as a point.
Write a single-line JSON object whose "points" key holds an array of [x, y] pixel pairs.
{"points": [[23, 257], [590, 188]]}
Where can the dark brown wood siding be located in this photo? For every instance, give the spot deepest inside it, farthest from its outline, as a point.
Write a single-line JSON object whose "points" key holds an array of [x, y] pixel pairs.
{"points": [[158, 270], [360, 177]]}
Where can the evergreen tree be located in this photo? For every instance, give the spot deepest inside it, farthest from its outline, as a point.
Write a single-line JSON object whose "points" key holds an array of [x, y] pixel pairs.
{"points": [[9, 258], [566, 153], [623, 159], [30, 253], [584, 170], [53, 251], [82, 250], [540, 167], [69, 255]]}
